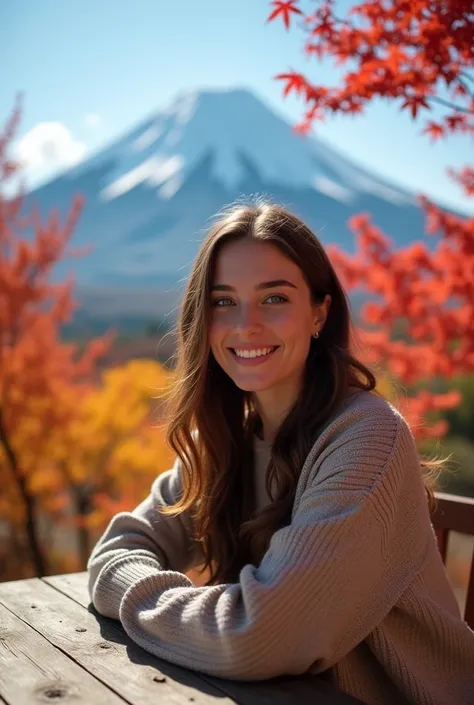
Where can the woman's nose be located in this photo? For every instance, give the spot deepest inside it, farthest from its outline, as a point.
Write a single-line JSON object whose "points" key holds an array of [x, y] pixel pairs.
{"points": [[248, 318]]}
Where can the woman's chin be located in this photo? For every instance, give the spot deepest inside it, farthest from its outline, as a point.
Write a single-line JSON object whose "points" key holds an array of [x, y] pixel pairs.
{"points": [[249, 385]]}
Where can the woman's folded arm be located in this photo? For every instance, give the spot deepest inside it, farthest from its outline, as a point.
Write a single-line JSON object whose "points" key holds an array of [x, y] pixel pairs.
{"points": [[140, 543]]}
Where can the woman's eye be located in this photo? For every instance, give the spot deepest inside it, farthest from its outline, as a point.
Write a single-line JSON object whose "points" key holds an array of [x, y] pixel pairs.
{"points": [[218, 302], [223, 301], [277, 296]]}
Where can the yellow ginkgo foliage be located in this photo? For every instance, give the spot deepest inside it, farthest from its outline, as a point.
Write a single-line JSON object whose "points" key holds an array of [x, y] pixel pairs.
{"points": [[114, 446], [107, 415]]}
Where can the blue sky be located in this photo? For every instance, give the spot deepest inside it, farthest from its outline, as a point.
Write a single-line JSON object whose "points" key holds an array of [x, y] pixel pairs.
{"points": [[96, 67]]}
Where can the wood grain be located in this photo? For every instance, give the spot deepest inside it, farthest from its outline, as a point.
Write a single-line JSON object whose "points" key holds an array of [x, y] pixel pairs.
{"points": [[33, 671], [102, 648]]}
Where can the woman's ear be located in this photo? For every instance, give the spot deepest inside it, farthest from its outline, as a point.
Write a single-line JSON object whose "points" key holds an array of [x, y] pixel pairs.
{"points": [[322, 311]]}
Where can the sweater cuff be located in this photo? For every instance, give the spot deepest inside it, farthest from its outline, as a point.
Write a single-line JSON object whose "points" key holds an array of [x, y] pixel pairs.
{"points": [[145, 593], [114, 580]]}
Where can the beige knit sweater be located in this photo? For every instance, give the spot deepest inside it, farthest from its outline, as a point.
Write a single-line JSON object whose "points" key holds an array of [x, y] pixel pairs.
{"points": [[354, 585]]}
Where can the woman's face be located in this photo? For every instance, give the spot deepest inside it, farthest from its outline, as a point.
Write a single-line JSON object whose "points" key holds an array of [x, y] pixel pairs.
{"points": [[262, 317]]}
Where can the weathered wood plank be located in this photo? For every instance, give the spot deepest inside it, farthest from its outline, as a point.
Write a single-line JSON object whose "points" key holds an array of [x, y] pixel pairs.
{"points": [[101, 646], [33, 671], [306, 690], [74, 585]]}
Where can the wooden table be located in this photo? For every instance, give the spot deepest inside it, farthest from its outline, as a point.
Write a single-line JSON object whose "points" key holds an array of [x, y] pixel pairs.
{"points": [[55, 647]]}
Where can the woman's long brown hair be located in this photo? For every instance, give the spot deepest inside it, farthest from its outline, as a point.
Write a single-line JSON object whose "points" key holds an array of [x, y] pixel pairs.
{"points": [[211, 422]]}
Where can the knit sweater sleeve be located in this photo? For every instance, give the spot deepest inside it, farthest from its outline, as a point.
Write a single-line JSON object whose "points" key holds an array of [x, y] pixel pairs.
{"points": [[326, 581], [140, 543]]}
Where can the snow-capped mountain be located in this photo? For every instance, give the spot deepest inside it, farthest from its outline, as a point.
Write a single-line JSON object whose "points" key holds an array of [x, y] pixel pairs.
{"points": [[150, 194], [235, 127]]}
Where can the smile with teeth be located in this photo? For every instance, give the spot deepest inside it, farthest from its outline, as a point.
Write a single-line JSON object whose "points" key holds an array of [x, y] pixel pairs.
{"points": [[257, 352]]}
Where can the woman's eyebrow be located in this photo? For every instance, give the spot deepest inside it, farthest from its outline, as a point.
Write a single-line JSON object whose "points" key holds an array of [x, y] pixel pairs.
{"points": [[263, 285]]}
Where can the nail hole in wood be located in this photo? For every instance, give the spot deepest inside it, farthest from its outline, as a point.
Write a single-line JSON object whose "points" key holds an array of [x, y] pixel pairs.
{"points": [[55, 693]]}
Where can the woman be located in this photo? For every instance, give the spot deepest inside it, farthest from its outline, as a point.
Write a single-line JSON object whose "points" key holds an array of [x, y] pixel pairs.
{"points": [[296, 485]]}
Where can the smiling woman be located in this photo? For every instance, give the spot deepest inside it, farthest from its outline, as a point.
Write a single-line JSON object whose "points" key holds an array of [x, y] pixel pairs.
{"points": [[296, 484], [260, 331]]}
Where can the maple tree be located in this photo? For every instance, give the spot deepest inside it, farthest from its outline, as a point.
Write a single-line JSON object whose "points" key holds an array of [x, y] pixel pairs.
{"points": [[37, 369], [417, 54]]}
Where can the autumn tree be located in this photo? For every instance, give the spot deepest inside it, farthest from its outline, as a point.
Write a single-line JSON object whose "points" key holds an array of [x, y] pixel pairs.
{"points": [[106, 458], [37, 369], [417, 54]]}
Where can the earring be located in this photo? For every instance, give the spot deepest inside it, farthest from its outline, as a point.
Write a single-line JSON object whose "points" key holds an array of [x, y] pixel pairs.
{"points": [[316, 335]]}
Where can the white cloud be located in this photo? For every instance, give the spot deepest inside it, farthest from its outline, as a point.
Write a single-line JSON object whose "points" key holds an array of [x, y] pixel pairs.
{"points": [[48, 147], [92, 120]]}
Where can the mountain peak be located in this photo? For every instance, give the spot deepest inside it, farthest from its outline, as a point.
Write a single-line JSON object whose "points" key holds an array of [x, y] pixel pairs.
{"points": [[215, 96], [149, 194], [234, 126], [237, 129]]}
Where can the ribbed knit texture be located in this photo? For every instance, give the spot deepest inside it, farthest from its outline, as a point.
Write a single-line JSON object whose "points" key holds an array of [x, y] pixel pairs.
{"points": [[354, 586]]}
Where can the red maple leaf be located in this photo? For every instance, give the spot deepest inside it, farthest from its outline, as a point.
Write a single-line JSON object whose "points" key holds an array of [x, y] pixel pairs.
{"points": [[284, 9], [294, 82], [415, 103], [434, 130]]}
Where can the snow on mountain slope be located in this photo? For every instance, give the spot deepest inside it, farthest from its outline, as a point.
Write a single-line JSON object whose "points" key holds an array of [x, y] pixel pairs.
{"points": [[233, 123], [149, 195]]}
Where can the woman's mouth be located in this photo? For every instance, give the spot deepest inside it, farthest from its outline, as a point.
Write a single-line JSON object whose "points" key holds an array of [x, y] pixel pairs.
{"points": [[256, 356]]}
